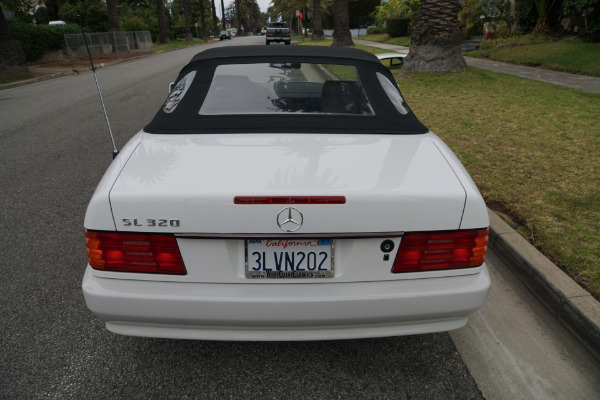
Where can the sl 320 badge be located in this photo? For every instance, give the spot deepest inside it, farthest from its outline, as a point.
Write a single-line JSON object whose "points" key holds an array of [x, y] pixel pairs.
{"points": [[174, 223]]}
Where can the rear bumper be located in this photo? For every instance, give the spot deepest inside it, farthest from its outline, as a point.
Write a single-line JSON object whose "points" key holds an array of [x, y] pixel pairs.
{"points": [[285, 311], [278, 39]]}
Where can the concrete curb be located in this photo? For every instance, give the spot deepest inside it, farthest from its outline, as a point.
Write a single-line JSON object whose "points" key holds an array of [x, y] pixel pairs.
{"points": [[30, 81], [570, 304]]}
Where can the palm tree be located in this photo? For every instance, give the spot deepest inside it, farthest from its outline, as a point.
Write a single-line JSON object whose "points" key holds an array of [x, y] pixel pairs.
{"points": [[286, 9], [113, 16], [341, 24], [186, 15], [435, 41], [223, 15], [162, 22], [11, 52], [249, 14], [202, 19], [214, 16], [543, 8], [238, 17], [317, 22]]}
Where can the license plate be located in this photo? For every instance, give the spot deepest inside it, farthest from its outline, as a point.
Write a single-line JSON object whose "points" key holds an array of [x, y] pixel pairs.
{"points": [[287, 258]]}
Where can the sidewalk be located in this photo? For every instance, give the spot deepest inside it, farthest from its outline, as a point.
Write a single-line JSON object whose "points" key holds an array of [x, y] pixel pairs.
{"points": [[579, 82]]}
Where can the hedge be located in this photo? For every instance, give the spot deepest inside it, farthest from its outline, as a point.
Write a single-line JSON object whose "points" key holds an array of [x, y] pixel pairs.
{"points": [[374, 31], [38, 40]]}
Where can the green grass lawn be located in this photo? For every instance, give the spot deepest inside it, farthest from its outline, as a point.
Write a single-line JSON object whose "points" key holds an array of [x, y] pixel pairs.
{"points": [[370, 49], [340, 71], [568, 55], [532, 148], [301, 37], [385, 38]]}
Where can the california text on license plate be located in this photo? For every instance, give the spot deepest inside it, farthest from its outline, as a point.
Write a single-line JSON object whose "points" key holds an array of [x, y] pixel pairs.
{"points": [[287, 258]]}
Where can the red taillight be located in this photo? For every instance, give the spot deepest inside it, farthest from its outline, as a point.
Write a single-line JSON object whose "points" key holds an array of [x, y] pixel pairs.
{"points": [[134, 252], [267, 32], [289, 200], [441, 250], [290, 32]]}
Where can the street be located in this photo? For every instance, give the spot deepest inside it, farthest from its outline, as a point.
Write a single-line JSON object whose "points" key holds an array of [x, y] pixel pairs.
{"points": [[54, 149]]}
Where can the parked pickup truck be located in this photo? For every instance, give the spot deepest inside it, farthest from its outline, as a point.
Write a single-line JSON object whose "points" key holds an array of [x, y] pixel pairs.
{"points": [[278, 32]]}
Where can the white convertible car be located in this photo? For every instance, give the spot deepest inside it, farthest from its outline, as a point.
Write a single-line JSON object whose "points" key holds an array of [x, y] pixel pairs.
{"points": [[285, 193]]}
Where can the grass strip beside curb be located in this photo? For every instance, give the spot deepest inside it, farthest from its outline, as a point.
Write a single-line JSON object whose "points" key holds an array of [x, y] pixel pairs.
{"points": [[532, 149]]}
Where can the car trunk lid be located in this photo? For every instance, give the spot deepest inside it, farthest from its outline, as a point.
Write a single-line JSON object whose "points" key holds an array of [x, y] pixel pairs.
{"points": [[187, 184]]}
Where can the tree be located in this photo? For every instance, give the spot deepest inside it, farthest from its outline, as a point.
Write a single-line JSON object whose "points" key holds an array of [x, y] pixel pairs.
{"points": [[52, 6], [250, 15], [214, 18], [203, 19], [223, 15], [317, 21], [113, 16], [94, 14], [186, 16], [41, 15], [230, 14], [543, 8], [20, 8], [11, 52], [435, 41], [341, 22], [162, 23], [243, 13], [286, 10], [238, 17]]}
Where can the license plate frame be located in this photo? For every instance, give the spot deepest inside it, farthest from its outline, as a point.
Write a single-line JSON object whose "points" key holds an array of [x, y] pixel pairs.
{"points": [[289, 258]]}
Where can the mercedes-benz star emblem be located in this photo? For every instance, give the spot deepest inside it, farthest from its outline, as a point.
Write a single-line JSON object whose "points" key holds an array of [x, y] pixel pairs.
{"points": [[289, 219]]}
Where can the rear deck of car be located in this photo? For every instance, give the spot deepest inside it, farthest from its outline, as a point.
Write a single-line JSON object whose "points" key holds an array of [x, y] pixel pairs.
{"points": [[205, 224]]}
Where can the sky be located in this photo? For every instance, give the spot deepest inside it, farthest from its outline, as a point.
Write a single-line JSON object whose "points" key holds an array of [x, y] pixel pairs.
{"points": [[263, 4]]}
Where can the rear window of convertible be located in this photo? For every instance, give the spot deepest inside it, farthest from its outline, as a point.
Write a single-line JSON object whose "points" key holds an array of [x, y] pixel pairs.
{"points": [[267, 88]]}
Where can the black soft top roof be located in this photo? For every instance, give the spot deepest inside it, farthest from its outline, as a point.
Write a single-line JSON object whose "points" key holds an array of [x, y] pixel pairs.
{"points": [[287, 51], [186, 117]]}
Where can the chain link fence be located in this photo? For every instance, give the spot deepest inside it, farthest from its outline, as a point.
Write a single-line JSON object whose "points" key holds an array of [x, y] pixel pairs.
{"points": [[109, 44]]}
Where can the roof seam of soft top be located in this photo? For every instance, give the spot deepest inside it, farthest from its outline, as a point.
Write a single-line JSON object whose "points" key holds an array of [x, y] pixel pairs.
{"points": [[291, 51]]}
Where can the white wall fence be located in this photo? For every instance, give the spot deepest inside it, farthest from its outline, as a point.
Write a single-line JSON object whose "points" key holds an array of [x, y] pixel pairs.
{"points": [[354, 32]]}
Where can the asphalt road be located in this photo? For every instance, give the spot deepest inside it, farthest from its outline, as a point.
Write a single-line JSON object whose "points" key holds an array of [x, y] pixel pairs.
{"points": [[54, 148]]}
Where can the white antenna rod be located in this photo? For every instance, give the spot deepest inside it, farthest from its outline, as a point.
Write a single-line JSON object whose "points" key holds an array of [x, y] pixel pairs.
{"points": [[115, 151]]}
